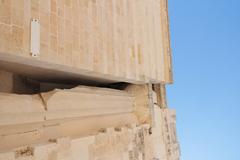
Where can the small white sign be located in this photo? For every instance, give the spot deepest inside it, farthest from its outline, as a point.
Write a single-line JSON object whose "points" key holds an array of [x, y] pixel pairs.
{"points": [[35, 38]]}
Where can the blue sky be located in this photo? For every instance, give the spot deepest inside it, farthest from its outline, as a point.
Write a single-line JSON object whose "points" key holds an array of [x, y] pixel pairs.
{"points": [[205, 37]]}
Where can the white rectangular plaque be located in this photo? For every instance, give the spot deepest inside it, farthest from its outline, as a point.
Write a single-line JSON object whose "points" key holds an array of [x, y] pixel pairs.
{"points": [[35, 37]]}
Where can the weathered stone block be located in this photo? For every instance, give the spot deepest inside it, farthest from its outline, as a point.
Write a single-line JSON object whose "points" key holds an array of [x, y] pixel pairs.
{"points": [[5, 11]]}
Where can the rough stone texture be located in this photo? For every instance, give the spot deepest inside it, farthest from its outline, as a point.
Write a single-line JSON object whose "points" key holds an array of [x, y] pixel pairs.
{"points": [[141, 102], [120, 38], [71, 112], [133, 142], [62, 104], [170, 134], [123, 144], [102, 41], [119, 143]]}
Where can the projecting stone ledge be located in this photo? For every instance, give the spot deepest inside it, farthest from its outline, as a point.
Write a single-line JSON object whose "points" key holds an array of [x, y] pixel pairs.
{"points": [[71, 40]]}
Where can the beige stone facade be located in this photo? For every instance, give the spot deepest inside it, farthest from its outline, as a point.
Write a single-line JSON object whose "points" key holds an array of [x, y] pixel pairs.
{"points": [[121, 39], [95, 87], [126, 143], [81, 123]]}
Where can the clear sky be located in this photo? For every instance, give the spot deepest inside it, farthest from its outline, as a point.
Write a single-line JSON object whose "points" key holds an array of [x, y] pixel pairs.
{"points": [[205, 37]]}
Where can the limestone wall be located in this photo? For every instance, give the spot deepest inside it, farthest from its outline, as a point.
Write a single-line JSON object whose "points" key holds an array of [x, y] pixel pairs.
{"points": [[55, 126], [119, 143], [123, 39]]}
